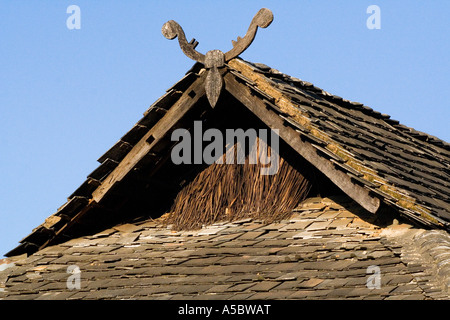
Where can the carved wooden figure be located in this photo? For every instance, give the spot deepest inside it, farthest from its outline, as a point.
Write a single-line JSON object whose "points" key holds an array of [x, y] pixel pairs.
{"points": [[215, 59]]}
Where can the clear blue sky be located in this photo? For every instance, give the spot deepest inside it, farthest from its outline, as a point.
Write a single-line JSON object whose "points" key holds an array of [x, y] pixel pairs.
{"points": [[66, 96]]}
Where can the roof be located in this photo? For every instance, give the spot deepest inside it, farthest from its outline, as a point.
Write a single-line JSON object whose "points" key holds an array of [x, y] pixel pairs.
{"points": [[401, 166], [364, 212], [325, 250], [370, 157]]}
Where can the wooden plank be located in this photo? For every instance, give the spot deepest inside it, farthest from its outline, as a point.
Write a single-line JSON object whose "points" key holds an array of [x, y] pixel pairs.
{"points": [[165, 101], [103, 170], [71, 207], [135, 134], [152, 116], [86, 189], [305, 149], [117, 152], [152, 137], [77, 215]]}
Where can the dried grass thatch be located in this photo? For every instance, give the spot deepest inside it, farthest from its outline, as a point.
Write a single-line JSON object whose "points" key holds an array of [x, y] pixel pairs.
{"points": [[227, 192]]}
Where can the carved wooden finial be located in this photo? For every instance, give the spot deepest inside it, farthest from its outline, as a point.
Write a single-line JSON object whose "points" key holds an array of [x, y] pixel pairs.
{"points": [[215, 59]]}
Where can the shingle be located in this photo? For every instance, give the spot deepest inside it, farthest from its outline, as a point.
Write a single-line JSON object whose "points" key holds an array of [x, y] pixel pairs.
{"points": [[241, 286], [332, 264], [311, 283], [264, 286], [251, 235], [218, 288], [319, 225], [305, 294]]}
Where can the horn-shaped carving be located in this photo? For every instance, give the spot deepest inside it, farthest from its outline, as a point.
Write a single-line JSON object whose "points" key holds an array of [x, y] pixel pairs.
{"points": [[171, 29], [215, 59], [262, 19]]}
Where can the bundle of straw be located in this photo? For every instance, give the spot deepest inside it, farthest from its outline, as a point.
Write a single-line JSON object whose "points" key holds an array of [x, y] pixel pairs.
{"points": [[227, 192]]}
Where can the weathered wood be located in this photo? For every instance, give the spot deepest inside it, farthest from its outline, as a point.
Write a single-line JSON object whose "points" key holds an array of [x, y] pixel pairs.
{"points": [[152, 137], [305, 149], [116, 152], [135, 134], [262, 19], [165, 101], [171, 30], [86, 189], [82, 211], [215, 59], [103, 170]]}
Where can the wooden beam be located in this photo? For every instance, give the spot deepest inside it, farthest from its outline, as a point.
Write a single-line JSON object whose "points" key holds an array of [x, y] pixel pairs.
{"points": [[256, 105], [152, 137]]}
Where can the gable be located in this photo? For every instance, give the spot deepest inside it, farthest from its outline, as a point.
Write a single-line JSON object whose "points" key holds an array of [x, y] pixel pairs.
{"points": [[373, 159]]}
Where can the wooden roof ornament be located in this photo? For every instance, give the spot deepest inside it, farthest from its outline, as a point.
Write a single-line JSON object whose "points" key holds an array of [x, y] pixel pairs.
{"points": [[215, 59]]}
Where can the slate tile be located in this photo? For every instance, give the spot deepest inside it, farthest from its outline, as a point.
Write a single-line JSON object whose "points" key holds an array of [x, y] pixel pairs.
{"points": [[406, 288], [241, 286], [287, 267], [311, 205], [357, 281], [289, 285], [220, 288], [332, 283], [251, 235], [127, 228], [198, 261], [264, 285], [329, 214], [79, 295], [57, 285], [307, 294], [374, 297], [269, 235], [298, 225], [216, 296], [360, 292], [56, 295], [97, 284], [227, 237], [346, 214], [26, 296], [271, 227], [291, 276], [261, 296], [150, 291], [383, 291], [242, 296], [359, 223], [26, 287], [191, 289], [278, 294], [340, 293], [399, 279], [379, 254], [414, 297], [266, 259], [310, 283], [340, 223], [211, 230]]}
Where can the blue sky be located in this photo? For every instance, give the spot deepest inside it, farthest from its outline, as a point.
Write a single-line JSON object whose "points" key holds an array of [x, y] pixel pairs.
{"points": [[66, 96]]}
